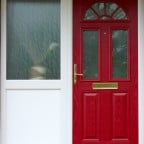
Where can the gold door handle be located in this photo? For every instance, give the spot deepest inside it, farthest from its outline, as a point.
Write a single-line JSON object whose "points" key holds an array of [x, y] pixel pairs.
{"points": [[76, 74]]}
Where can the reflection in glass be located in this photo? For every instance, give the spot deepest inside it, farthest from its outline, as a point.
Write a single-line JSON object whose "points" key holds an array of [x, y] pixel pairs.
{"points": [[90, 44], [120, 46], [105, 11], [99, 8], [33, 39], [119, 14], [110, 8], [90, 15]]}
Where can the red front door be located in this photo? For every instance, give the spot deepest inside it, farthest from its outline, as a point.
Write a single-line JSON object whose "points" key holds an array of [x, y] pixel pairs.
{"points": [[105, 88]]}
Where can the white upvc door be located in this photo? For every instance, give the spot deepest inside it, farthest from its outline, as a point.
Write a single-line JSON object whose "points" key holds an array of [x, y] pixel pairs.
{"points": [[38, 111]]}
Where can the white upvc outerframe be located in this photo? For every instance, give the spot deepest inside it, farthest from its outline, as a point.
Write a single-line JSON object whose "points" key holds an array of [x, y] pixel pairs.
{"points": [[141, 69], [66, 59]]}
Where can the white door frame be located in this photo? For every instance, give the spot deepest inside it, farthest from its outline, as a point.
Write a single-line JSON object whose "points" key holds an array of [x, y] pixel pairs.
{"points": [[66, 35], [141, 69]]}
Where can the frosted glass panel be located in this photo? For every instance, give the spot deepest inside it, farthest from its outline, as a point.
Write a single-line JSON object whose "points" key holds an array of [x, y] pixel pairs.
{"points": [[105, 11], [90, 15], [33, 39], [110, 8], [120, 14], [90, 44], [99, 8], [120, 46]]}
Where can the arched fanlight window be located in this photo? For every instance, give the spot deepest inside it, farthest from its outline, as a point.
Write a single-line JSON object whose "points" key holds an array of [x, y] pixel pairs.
{"points": [[105, 11]]}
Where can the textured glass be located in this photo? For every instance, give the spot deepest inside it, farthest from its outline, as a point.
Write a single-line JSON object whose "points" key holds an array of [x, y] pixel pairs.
{"points": [[99, 8], [90, 44], [90, 15], [33, 39], [119, 14], [120, 46], [110, 8], [105, 11]]}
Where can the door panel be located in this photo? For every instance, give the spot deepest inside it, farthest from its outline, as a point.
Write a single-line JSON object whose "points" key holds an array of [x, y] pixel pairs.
{"points": [[105, 56], [120, 115], [90, 115]]}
